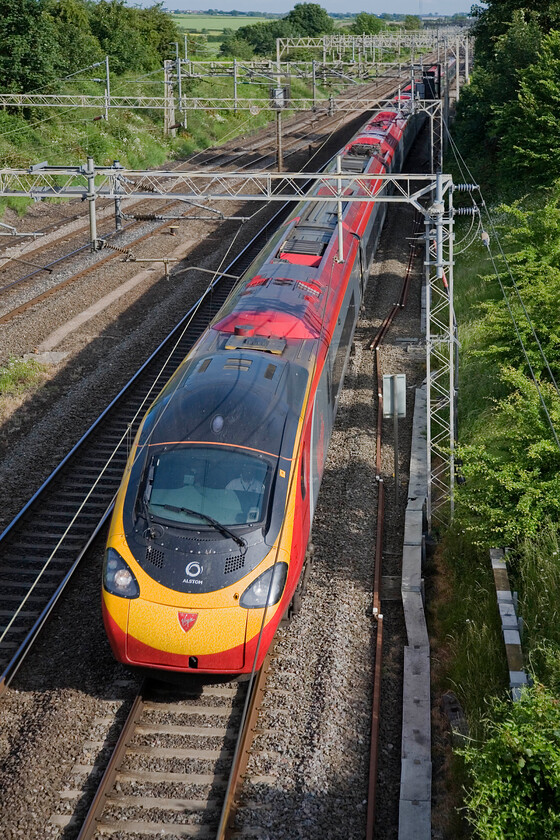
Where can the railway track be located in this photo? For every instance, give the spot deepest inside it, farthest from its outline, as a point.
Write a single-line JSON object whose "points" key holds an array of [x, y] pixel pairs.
{"points": [[43, 545], [174, 768]]}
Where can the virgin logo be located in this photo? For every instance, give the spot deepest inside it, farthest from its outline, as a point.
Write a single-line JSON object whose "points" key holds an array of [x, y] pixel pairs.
{"points": [[187, 620]]}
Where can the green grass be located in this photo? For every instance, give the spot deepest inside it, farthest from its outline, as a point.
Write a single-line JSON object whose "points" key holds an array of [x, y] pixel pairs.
{"points": [[465, 619], [214, 24], [536, 572], [17, 376]]}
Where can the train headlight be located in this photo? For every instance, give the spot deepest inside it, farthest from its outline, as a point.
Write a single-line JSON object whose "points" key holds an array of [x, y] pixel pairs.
{"points": [[267, 589], [117, 577]]}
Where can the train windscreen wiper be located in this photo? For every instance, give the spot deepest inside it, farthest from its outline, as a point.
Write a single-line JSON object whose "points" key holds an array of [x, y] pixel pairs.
{"points": [[217, 525]]}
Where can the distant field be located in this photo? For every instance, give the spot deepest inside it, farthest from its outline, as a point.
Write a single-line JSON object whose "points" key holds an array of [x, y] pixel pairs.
{"points": [[214, 24]]}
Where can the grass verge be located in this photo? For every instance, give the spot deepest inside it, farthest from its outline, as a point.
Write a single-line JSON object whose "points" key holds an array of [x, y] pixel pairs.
{"points": [[18, 376]]}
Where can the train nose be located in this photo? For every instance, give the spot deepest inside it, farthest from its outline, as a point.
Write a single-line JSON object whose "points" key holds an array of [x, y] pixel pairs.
{"points": [[168, 637]]}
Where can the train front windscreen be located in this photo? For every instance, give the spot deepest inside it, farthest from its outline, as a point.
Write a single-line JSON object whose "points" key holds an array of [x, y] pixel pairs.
{"points": [[224, 484]]}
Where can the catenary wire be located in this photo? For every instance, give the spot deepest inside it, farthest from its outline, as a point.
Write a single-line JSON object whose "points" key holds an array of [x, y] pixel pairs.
{"points": [[512, 316]]}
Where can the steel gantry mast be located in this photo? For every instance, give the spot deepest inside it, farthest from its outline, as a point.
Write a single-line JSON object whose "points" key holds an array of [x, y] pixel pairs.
{"points": [[441, 342]]}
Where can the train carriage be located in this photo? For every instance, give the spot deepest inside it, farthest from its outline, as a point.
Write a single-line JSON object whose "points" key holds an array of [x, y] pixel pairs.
{"points": [[212, 520]]}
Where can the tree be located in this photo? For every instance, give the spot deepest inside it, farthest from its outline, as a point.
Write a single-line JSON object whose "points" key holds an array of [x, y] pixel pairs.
{"points": [[310, 19], [158, 30], [131, 37], [262, 36], [366, 24], [493, 21], [77, 46], [28, 46], [412, 22], [233, 45], [481, 118], [529, 124]]}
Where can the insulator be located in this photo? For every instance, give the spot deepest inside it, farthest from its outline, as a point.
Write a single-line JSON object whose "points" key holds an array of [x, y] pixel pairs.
{"points": [[465, 187], [465, 211]]}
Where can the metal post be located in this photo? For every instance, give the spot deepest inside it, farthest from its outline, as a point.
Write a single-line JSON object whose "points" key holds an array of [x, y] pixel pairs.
{"points": [[314, 84], [169, 112], [457, 70], [428, 287], [279, 155], [118, 213], [446, 95], [431, 141], [179, 88], [395, 436], [107, 88], [467, 70], [235, 84], [452, 344], [439, 225], [90, 172], [186, 49], [339, 210], [440, 349]]}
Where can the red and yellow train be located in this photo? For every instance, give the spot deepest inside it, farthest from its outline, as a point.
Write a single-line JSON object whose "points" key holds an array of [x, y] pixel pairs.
{"points": [[211, 523]]}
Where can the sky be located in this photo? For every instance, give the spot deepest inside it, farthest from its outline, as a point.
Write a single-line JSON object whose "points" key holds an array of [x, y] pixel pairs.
{"points": [[376, 7]]}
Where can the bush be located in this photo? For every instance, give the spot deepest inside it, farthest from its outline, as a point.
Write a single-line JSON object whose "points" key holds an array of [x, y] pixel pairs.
{"points": [[515, 774]]}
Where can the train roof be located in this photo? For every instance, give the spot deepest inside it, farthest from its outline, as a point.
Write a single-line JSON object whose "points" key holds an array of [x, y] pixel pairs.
{"points": [[239, 398]]}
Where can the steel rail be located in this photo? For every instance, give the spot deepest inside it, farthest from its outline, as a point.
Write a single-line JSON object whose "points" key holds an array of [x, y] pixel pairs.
{"points": [[243, 749], [89, 825]]}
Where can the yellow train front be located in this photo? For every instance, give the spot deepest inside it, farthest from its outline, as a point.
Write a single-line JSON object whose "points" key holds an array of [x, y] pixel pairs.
{"points": [[200, 550]]}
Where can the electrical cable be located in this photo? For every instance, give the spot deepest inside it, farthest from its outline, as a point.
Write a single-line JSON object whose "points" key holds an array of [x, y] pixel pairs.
{"points": [[504, 258], [471, 238]]}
